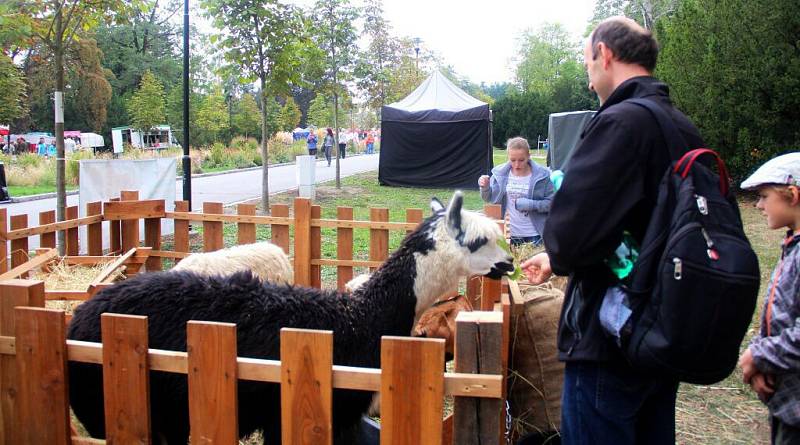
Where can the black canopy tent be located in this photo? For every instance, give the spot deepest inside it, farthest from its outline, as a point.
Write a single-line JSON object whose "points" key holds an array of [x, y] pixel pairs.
{"points": [[564, 133], [438, 136]]}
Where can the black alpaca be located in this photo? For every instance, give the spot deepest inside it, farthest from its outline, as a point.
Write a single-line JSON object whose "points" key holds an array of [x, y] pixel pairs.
{"points": [[386, 305]]}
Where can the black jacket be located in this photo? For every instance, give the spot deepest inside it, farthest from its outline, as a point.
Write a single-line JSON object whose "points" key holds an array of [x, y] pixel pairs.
{"points": [[610, 186]]}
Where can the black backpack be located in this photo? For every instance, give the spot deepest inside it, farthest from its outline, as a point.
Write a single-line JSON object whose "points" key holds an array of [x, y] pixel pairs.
{"points": [[694, 286]]}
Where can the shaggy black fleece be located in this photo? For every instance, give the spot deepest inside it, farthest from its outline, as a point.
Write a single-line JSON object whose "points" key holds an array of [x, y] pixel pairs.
{"points": [[384, 306]]}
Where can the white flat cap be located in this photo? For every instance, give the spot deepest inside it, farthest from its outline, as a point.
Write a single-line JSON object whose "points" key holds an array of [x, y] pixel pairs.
{"points": [[784, 169]]}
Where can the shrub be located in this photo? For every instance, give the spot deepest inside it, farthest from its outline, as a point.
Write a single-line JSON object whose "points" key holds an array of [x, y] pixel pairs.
{"points": [[217, 156], [73, 166]]}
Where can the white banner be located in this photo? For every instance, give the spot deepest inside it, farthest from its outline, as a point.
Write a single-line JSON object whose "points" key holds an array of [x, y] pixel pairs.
{"points": [[101, 180]]}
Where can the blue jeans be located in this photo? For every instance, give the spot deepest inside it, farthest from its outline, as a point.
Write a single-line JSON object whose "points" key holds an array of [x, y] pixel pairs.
{"points": [[535, 240], [603, 405]]}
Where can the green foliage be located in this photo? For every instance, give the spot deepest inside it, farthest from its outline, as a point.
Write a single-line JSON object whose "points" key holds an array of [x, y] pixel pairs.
{"points": [[13, 87], [735, 70], [212, 117], [147, 105], [290, 115], [246, 117]]}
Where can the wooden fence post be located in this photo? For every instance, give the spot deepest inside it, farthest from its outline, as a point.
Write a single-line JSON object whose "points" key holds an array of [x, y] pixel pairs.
{"points": [[246, 232], [130, 227], [344, 247], [212, 230], [41, 345], [19, 246], [115, 234], [490, 292], [479, 339], [302, 241], [47, 239], [378, 238], [126, 378], [13, 293], [152, 239], [4, 260], [280, 233], [94, 232], [213, 406], [306, 387], [316, 248], [412, 391], [72, 234], [181, 243]]}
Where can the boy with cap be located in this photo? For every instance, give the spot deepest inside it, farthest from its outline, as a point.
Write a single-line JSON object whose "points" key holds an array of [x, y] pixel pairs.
{"points": [[771, 364]]}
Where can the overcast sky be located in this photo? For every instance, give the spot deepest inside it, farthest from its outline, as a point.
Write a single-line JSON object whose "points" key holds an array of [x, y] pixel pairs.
{"points": [[478, 37]]}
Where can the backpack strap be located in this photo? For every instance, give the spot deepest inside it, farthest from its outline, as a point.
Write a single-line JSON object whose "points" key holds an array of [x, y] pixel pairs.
{"points": [[677, 144]]}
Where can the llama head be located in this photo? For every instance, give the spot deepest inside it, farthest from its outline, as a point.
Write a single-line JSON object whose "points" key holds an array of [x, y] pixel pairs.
{"points": [[464, 243]]}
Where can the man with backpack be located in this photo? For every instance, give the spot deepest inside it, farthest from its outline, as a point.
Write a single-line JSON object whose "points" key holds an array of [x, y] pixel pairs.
{"points": [[607, 195]]}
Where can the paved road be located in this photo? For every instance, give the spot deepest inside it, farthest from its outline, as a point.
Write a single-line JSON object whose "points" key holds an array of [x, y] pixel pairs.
{"points": [[228, 188]]}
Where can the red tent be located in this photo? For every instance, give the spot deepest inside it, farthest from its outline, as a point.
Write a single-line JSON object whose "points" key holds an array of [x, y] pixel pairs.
{"points": [[3, 131]]}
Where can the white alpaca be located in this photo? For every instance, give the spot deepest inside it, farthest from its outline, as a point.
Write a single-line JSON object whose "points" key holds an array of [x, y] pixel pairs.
{"points": [[264, 259]]}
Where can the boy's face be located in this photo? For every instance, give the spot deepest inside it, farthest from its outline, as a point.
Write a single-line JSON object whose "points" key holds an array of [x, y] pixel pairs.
{"points": [[779, 211]]}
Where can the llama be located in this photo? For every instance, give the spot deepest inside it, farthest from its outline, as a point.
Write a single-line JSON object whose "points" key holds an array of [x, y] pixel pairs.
{"points": [[264, 259], [448, 245]]}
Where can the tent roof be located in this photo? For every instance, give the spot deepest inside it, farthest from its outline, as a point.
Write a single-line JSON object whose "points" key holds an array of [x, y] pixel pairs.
{"points": [[437, 93]]}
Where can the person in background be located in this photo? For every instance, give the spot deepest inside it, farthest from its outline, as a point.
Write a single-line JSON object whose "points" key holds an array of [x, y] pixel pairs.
{"points": [[41, 148], [344, 137], [311, 143], [327, 145], [21, 146], [523, 189], [771, 365], [370, 141]]}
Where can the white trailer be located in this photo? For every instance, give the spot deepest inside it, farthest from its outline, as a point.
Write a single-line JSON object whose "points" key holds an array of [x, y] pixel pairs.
{"points": [[156, 138]]}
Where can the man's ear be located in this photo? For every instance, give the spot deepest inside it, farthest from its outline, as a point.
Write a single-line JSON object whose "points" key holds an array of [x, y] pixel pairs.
{"points": [[605, 54], [795, 194]]}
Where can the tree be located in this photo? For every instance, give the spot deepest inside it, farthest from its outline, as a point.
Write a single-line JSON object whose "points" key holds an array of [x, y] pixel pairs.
{"points": [[58, 25], [13, 87], [290, 115], [337, 37], [734, 70], [262, 37], [246, 116], [212, 116], [544, 54], [374, 65], [645, 12], [146, 106]]}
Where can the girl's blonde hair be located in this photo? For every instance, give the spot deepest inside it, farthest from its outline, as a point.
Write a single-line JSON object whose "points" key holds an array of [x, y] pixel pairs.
{"points": [[518, 143]]}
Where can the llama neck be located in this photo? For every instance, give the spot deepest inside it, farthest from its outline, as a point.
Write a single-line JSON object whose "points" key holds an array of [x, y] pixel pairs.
{"points": [[391, 291]]}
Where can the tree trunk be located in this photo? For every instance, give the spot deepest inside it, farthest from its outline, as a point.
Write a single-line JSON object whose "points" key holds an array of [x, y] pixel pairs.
{"points": [[264, 151], [61, 195], [335, 109]]}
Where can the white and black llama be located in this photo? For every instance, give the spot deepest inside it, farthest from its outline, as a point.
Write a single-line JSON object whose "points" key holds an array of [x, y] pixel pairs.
{"points": [[448, 245]]}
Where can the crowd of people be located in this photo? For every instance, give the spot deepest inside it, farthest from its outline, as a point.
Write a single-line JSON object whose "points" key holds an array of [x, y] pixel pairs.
{"points": [[608, 191], [361, 138]]}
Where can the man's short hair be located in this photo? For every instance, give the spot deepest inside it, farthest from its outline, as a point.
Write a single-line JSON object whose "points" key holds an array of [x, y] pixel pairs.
{"points": [[630, 43]]}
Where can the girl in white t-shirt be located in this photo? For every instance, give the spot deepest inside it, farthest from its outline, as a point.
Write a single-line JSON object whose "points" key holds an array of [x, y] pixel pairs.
{"points": [[523, 189]]}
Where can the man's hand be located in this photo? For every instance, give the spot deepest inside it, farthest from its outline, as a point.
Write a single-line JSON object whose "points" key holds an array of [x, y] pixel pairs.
{"points": [[747, 365], [763, 385], [537, 268], [483, 181]]}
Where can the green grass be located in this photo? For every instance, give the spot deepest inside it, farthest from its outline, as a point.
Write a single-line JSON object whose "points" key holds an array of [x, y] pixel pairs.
{"points": [[16, 191]]}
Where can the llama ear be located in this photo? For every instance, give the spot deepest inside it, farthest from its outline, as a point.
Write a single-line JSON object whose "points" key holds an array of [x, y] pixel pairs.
{"points": [[454, 211], [436, 205]]}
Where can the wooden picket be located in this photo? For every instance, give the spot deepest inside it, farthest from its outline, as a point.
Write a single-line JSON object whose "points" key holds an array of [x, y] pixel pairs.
{"points": [[47, 239], [378, 238], [306, 387], [344, 247], [302, 242], [245, 232], [213, 407], [212, 230], [94, 232], [71, 237], [126, 378], [41, 353], [280, 233], [181, 228], [412, 391], [19, 247]]}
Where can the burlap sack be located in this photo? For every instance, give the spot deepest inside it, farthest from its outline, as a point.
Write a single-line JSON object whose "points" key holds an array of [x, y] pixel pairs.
{"points": [[535, 374]]}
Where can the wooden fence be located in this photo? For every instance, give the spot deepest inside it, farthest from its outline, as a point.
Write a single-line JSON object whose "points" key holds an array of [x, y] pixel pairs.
{"points": [[35, 403], [299, 235]]}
